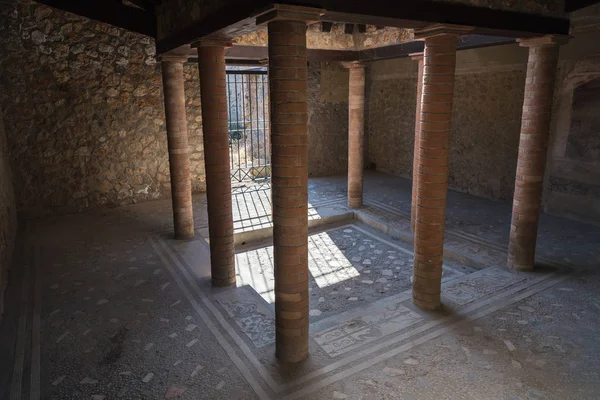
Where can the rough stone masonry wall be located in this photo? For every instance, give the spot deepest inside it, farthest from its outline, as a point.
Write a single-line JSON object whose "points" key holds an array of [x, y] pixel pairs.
{"points": [[486, 121], [572, 185], [84, 112], [327, 119], [390, 115], [8, 218], [488, 94]]}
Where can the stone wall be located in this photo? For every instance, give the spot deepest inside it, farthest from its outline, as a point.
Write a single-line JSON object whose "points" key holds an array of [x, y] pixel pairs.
{"points": [[390, 121], [488, 96], [84, 112], [327, 119], [8, 219], [487, 110], [572, 185]]}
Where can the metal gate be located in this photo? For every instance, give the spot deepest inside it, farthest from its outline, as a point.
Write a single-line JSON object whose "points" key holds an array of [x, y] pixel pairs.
{"points": [[249, 146]]}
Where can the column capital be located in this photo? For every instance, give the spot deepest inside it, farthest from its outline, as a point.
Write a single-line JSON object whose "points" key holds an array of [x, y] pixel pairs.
{"points": [[290, 13], [173, 58], [416, 56], [210, 42], [353, 64], [442, 29], [548, 40]]}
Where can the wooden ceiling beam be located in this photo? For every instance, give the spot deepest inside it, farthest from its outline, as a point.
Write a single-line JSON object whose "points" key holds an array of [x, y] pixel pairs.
{"points": [[238, 17]]}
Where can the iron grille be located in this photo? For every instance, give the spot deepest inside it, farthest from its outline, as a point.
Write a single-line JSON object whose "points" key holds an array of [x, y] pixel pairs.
{"points": [[249, 145]]}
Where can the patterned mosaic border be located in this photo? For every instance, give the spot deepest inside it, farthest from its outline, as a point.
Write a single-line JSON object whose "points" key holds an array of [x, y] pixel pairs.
{"points": [[362, 341]]}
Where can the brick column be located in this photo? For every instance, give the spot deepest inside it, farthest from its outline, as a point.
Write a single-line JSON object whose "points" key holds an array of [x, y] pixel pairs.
{"points": [[211, 62], [413, 211], [432, 172], [177, 138], [535, 129], [356, 133], [289, 163]]}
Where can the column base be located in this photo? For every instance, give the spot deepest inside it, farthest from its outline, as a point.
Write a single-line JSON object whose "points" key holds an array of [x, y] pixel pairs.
{"points": [[520, 267], [185, 235], [355, 203], [427, 305], [427, 301], [291, 358], [222, 282]]}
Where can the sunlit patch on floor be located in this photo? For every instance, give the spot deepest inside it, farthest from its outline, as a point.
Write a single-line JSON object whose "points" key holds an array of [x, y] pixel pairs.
{"points": [[326, 262]]}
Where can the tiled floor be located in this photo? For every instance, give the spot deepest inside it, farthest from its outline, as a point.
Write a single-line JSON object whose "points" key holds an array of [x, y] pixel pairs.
{"points": [[115, 308]]}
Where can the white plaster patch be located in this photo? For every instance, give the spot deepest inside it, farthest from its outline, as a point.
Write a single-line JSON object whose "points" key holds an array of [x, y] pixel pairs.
{"points": [[59, 380], [196, 370], [509, 345], [393, 371], [61, 337]]}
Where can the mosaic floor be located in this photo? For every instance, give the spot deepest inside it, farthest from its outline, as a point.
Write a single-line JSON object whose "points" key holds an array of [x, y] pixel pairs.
{"points": [[114, 308]]}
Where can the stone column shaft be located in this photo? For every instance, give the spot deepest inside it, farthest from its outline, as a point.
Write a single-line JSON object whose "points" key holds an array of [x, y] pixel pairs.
{"points": [[413, 211], [439, 64], [356, 134], [289, 163], [211, 62], [535, 130], [177, 137]]}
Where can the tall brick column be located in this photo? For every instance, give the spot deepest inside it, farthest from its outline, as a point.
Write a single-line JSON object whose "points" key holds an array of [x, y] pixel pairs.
{"points": [[289, 174], [356, 133], [211, 62], [177, 137], [432, 172], [535, 129], [413, 210]]}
